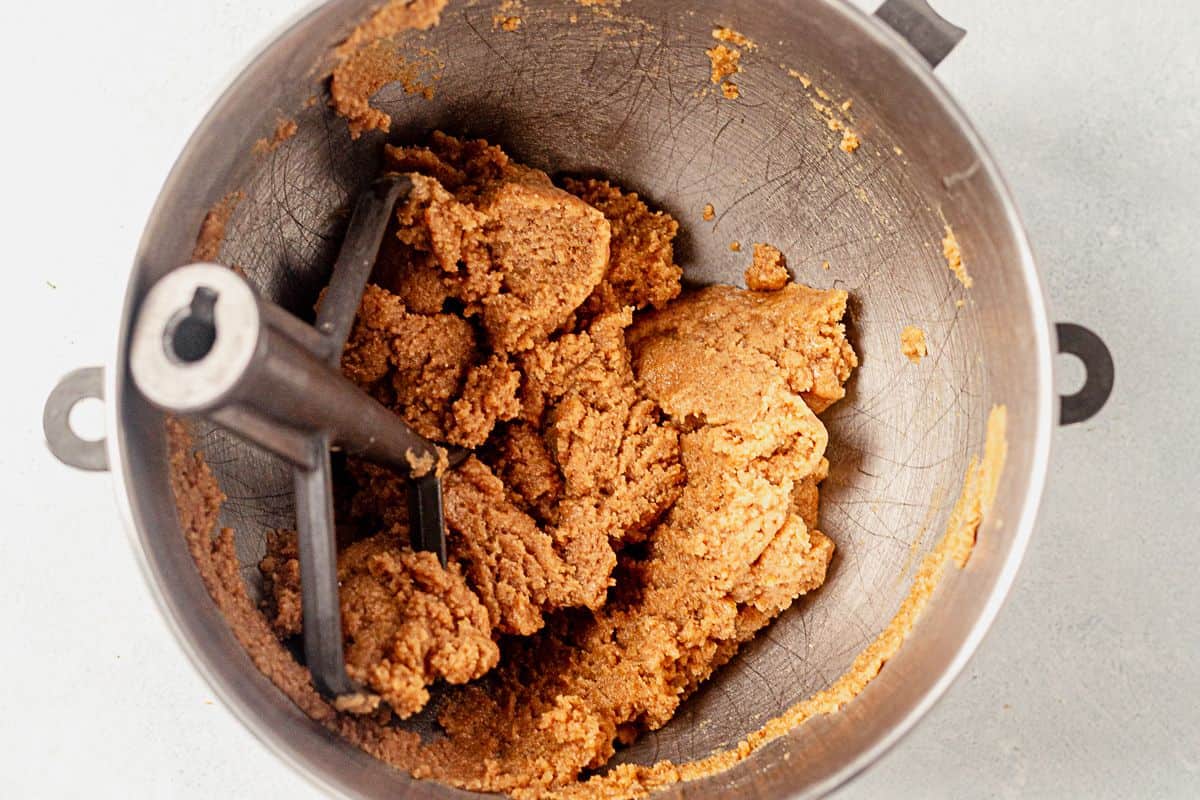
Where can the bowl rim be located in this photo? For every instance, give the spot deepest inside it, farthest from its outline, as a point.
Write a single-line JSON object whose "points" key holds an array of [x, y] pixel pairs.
{"points": [[880, 35]]}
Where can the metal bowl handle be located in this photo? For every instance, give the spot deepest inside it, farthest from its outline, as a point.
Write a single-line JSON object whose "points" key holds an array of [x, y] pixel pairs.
{"points": [[67, 446], [928, 32], [1084, 344], [931, 35]]}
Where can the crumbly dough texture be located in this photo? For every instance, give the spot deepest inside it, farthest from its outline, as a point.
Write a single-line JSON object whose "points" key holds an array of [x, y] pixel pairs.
{"points": [[980, 485], [498, 322], [369, 59], [912, 343], [285, 129], [735, 549], [768, 271], [212, 229], [743, 460], [952, 252], [724, 62], [626, 520], [198, 499]]}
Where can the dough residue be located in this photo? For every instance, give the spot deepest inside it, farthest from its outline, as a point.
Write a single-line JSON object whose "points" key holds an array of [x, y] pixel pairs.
{"points": [[954, 259], [212, 229], [836, 115], [912, 343], [507, 16], [391, 18], [725, 34], [370, 58], [284, 129], [725, 59], [805, 81], [724, 62], [768, 271]]}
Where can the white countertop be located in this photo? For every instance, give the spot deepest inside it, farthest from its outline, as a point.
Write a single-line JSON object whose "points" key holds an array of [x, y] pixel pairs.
{"points": [[1088, 685]]}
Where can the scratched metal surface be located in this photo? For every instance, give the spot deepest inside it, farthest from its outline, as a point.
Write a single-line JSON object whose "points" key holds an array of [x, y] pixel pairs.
{"points": [[602, 91], [1087, 685]]}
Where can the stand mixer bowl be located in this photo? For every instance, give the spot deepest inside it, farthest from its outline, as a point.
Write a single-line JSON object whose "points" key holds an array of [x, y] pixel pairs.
{"points": [[624, 92]]}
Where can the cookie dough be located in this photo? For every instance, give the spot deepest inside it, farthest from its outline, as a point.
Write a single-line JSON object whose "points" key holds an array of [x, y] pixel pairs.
{"points": [[912, 343], [366, 61], [768, 270], [582, 463], [212, 229], [626, 521], [952, 252]]}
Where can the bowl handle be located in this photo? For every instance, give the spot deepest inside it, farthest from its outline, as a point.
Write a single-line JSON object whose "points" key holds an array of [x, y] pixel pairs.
{"points": [[928, 32], [65, 445], [1084, 344]]}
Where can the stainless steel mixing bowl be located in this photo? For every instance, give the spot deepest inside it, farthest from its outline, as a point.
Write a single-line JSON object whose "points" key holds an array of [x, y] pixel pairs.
{"points": [[620, 92]]}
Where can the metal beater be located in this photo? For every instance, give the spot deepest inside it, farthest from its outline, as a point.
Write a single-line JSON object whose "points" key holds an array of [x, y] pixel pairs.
{"points": [[206, 344]]}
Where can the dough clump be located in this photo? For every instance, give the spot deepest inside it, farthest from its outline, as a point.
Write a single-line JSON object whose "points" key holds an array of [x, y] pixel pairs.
{"points": [[643, 492]]}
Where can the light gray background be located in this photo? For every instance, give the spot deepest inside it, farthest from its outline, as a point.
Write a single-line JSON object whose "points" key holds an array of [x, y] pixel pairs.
{"points": [[1088, 685]]}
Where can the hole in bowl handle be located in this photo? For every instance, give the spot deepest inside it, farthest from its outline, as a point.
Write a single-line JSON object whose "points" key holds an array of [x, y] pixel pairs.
{"points": [[1090, 349], [64, 443], [927, 31]]}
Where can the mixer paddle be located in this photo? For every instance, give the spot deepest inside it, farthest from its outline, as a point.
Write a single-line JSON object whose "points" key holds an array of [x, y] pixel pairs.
{"points": [[205, 343]]}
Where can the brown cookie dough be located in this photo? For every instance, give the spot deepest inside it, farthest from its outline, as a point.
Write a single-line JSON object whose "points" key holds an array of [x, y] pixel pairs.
{"points": [[798, 329], [212, 229], [408, 622], [641, 270], [503, 330], [369, 59], [626, 521], [912, 343], [734, 550], [723, 62], [768, 271], [952, 252]]}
